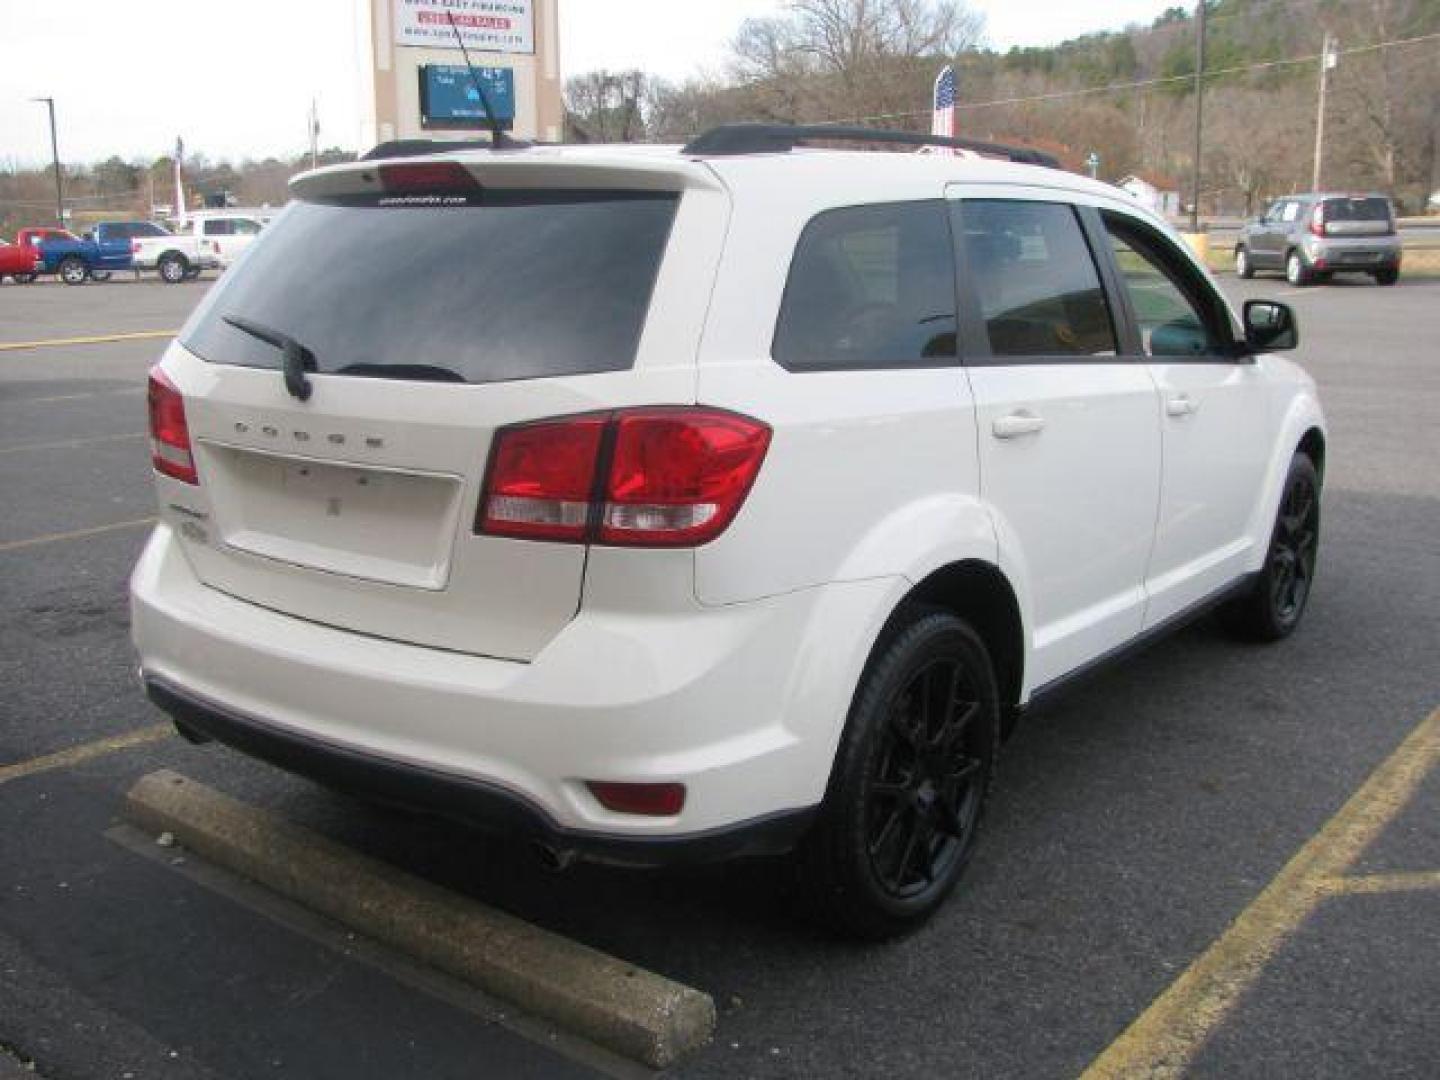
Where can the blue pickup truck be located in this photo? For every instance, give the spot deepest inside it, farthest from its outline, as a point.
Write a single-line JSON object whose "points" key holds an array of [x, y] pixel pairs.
{"points": [[95, 255]]}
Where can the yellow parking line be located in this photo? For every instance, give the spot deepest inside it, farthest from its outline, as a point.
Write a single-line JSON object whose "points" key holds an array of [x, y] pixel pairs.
{"points": [[97, 339], [64, 444], [1370, 884], [1167, 1035], [63, 759], [76, 534]]}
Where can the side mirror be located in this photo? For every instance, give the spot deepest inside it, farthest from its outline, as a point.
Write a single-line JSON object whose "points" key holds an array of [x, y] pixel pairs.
{"points": [[1270, 326]]}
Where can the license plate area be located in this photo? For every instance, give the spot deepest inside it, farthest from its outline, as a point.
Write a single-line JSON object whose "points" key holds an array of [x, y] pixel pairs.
{"points": [[387, 525]]}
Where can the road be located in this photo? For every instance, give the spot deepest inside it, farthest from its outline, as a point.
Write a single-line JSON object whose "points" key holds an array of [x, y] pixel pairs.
{"points": [[1148, 817]]}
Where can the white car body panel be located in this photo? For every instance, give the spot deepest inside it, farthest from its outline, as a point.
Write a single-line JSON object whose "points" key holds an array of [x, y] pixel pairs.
{"points": [[730, 667]]}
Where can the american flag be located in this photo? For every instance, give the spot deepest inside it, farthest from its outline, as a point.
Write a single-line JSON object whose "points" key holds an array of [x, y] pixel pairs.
{"points": [[943, 121]]}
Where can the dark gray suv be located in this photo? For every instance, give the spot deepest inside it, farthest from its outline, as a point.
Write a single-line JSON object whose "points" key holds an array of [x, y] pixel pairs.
{"points": [[1309, 237]]}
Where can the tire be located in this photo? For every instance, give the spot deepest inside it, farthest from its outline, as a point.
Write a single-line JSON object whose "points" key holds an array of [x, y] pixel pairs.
{"points": [[910, 781], [1243, 269], [1387, 277], [72, 270], [173, 268], [23, 279], [1271, 609], [1296, 272]]}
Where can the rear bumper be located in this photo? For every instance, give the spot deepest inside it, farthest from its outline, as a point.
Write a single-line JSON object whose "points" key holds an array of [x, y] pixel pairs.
{"points": [[743, 704], [461, 798], [1353, 253]]}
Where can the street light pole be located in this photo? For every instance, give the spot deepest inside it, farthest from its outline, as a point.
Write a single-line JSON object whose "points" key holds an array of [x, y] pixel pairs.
{"points": [[55, 156], [1199, 113]]}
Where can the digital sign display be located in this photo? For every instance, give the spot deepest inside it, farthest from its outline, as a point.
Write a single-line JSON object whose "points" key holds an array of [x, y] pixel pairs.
{"points": [[448, 98]]}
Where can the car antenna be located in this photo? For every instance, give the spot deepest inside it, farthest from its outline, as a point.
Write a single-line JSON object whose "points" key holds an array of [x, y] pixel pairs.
{"points": [[498, 139]]}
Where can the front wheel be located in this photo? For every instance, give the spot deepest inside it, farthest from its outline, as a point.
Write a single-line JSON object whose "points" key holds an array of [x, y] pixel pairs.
{"points": [[73, 271], [1271, 608], [1243, 269], [910, 781]]}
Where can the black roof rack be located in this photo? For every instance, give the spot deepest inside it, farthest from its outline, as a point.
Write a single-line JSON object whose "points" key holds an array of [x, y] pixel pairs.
{"points": [[751, 138], [420, 147]]}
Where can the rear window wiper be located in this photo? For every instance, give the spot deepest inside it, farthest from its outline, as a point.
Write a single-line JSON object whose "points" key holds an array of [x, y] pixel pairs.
{"points": [[418, 372], [296, 357]]}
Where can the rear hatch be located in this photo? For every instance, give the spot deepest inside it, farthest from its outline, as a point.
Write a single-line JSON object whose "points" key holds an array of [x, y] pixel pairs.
{"points": [[1359, 215], [429, 304]]}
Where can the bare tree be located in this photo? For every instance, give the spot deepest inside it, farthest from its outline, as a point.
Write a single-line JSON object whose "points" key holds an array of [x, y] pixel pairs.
{"points": [[605, 106]]}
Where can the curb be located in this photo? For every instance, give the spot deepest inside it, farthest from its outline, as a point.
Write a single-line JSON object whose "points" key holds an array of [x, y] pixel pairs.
{"points": [[633, 1012]]}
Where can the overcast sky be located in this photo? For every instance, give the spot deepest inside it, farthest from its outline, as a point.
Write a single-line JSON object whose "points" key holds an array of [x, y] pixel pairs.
{"points": [[236, 78]]}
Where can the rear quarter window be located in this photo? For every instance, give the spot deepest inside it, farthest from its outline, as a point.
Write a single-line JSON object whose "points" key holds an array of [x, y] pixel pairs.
{"points": [[516, 285], [870, 287]]}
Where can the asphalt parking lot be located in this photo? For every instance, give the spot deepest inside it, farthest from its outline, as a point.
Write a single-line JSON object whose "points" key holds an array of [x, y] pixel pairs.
{"points": [[1217, 859]]}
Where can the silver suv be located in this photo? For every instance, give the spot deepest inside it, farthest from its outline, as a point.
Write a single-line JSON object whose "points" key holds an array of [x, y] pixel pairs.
{"points": [[1311, 237]]}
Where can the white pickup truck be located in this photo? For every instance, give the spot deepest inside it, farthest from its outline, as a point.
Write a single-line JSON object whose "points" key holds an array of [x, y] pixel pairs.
{"points": [[208, 240]]}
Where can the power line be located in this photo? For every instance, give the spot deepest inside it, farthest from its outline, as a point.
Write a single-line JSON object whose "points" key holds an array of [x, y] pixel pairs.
{"points": [[1111, 88]]}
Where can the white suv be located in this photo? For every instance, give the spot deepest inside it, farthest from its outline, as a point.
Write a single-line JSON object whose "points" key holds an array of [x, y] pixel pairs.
{"points": [[656, 504]]}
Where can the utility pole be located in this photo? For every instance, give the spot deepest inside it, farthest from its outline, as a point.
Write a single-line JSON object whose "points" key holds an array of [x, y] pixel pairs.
{"points": [[1199, 113], [55, 157], [1329, 57], [314, 135]]}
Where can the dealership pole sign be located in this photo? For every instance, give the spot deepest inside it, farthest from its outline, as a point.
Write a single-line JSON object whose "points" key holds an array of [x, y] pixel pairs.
{"points": [[506, 26]]}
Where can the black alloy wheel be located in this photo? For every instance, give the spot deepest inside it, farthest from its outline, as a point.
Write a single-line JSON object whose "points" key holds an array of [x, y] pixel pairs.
{"points": [[1272, 607], [1293, 549], [910, 781], [925, 790]]}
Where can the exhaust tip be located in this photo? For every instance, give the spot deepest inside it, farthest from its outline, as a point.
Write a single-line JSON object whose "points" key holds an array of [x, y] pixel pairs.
{"points": [[552, 858]]}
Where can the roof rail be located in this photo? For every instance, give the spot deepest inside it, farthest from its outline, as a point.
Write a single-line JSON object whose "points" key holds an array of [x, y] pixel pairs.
{"points": [[420, 147], [752, 138]]}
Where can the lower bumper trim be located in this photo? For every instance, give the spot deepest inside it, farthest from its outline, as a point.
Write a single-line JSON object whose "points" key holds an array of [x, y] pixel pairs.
{"points": [[474, 802]]}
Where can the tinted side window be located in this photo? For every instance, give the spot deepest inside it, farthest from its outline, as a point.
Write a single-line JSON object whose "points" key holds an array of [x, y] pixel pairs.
{"points": [[1036, 280], [1175, 312], [870, 287], [221, 227], [245, 227]]}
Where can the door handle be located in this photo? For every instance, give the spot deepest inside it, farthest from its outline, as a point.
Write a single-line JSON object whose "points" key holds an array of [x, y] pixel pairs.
{"points": [[1017, 424], [1181, 405]]}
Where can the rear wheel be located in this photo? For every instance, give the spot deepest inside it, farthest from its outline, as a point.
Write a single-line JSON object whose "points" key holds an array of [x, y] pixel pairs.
{"points": [[1243, 268], [23, 279], [1296, 272], [72, 270], [910, 781], [1272, 607], [173, 268], [1387, 277]]}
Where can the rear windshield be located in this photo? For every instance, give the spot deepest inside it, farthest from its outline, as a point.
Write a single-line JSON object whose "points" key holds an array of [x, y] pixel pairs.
{"points": [[522, 285], [1357, 209]]}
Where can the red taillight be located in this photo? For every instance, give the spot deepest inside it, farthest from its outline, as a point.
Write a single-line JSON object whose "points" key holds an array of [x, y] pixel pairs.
{"points": [[170, 450], [673, 476], [542, 477], [653, 800], [428, 178], [1317, 219], [134, 247], [678, 476]]}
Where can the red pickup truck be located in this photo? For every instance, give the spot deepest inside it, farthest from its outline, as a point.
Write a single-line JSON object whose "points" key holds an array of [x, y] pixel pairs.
{"points": [[19, 261]]}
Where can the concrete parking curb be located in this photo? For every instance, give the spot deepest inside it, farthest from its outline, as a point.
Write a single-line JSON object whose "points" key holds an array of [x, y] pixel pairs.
{"points": [[633, 1012]]}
